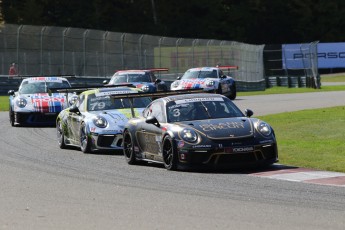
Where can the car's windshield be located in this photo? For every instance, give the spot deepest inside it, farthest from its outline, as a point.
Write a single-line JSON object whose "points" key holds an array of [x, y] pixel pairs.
{"points": [[107, 102], [132, 77], [41, 86], [200, 74], [200, 109]]}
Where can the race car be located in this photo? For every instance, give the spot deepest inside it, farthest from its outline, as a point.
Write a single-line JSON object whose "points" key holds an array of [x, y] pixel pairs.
{"points": [[211, 79], [199, 130], [143, 79], [96, 120], [33, 105]]}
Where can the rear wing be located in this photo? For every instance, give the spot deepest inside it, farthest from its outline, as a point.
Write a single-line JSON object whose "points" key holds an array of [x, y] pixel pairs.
{"points": [[152, 70], [38, 75], [228, 67], [81, 89], [154, 95]]}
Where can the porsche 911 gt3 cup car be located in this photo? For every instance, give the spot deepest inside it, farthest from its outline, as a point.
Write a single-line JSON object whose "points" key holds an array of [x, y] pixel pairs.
{"points": [[32, 104], [143, 79], [96, 120], [199, 129], [211, 79]]}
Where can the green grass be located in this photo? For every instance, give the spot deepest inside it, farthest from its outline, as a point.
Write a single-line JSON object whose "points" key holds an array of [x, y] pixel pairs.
{"points": [[330, 78], [311, 138], [4, 103], [285, 90]]}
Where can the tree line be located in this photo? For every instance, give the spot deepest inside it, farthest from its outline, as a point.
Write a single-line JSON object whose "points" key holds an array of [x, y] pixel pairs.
{"points": [[249, 21]]}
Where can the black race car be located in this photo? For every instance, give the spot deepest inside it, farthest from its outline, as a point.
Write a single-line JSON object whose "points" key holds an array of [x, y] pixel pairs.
{"points": [[199, 129]]}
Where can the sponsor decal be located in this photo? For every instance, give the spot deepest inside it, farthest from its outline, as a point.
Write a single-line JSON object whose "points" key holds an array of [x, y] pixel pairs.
{"points": [[45, 79], [108, 93], [202, 146], [184, 101], [239, 149], [220, 126], [180, 144]]}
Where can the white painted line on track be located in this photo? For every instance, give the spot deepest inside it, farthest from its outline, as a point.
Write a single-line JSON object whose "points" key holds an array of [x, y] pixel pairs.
{"points": [[304, 175]]}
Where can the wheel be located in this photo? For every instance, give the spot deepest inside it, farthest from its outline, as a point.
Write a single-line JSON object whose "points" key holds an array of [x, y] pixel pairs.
{"points": [[128, 150], [60, 135], [233, 92], [11, 113], [85, 143], [169, 154]]}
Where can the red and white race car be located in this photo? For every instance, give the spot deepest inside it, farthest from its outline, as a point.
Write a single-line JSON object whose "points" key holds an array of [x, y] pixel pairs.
{"points": [[211, 79], [32, 104]]}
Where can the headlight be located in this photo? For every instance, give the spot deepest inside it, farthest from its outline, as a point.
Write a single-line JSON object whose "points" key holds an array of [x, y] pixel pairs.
{"points": [[189, 135], [21, 102], [72, 99], [210, 83], [175, 84], [100, 122], [264, 128], [145, 88]]}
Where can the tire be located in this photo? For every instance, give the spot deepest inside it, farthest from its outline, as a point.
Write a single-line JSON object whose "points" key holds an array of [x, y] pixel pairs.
{"points": [[233, 94], [85, 142], [128, 148], [60, 135], [169, 153], [11, 113]]}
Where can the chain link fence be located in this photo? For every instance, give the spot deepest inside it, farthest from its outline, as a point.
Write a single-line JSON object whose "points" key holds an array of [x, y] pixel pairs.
{"points": [[44, 50]]}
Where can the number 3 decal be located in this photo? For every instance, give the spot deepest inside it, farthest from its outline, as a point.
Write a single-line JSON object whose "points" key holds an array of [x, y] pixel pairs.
{"points": [[176, 112]]}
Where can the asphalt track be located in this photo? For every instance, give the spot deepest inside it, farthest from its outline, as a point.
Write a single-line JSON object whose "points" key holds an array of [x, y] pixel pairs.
{"points": [[44, 187]]}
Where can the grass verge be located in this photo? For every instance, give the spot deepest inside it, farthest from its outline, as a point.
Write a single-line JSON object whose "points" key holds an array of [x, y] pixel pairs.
{"points": [[311, 138]]}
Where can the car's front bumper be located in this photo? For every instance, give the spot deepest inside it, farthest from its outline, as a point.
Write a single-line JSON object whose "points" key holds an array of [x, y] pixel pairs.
{"points": [[106, 141], [220, 158], [35, 118]]}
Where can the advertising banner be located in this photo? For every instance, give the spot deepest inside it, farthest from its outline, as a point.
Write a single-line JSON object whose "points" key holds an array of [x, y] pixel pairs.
{"points": [[330, 55]]}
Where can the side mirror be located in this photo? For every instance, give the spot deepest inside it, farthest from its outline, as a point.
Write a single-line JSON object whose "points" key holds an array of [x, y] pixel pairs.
{"points": [[74, 109], [152, 120], [105, 82], [248, 113], [223, 76], [178, 78], [11, 92], [157, 81]]}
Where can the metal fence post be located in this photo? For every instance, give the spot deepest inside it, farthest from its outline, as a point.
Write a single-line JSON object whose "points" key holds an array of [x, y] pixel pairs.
{"points": [[123, 50], [41, 65], [84, 47], [18, 35], [104, 58], [64, 32]]}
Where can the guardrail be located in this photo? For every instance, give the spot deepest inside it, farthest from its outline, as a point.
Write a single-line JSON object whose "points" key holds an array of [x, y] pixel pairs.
{"points": [[12, 83]]}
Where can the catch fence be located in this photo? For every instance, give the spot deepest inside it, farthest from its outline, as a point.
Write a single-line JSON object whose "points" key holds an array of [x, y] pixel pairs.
{"points": [[45, 50]]}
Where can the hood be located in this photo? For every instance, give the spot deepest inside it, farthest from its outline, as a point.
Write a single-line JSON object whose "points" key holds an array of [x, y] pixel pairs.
{"points": [[239, 127], [194, 83], [119, 115], [45, 103]]}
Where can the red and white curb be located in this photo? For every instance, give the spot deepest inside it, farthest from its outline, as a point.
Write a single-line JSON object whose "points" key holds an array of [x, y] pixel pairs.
{"points": [[305, 175]]}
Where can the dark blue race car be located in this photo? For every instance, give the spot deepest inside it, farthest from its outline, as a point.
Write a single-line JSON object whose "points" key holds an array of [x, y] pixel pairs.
{"points": [[196, 130]]}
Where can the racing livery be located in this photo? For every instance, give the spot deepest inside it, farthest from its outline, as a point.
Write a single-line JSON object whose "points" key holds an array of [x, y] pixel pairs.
{"points": [[199, 130], [96, 120], [33, 104], [142, 79], [211, 79]]}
